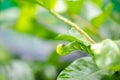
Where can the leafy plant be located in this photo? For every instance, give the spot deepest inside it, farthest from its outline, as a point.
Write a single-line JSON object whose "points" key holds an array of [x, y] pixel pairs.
{"points": [[104, 57], [98, 37]]}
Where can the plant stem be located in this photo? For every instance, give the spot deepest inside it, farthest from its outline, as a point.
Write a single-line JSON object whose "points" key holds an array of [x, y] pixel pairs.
{"points": [[87, 25], [74, 26]]}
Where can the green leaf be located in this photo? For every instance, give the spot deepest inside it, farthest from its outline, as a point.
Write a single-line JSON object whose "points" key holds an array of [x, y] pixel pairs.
{"points": [[78, 36], [101, 18], [74, 35], [16, 70], [24, 21], [27, 24], [63, 49], [84, 69], [107, 54], [49, 4], [74, 6], [66, 37]]}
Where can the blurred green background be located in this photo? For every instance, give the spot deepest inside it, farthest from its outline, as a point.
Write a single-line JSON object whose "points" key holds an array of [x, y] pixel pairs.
{"points": [[28, 34]]}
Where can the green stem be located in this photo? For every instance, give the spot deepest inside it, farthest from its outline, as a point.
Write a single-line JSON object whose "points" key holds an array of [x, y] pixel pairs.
{"points": [[73, 25], [87, 25]]}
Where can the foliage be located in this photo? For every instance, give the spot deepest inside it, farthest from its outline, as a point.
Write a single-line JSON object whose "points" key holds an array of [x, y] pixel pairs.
{"points": [[84, 69], [93, 30]]}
